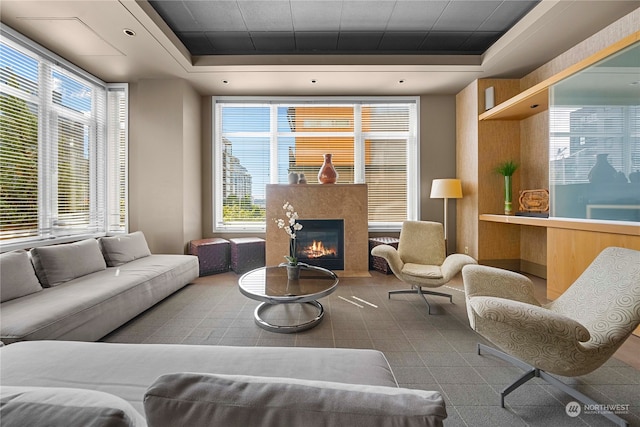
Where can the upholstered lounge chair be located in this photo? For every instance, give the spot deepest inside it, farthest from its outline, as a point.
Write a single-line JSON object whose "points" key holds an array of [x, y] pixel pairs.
{"points": [[421, 260], [571, 336]]}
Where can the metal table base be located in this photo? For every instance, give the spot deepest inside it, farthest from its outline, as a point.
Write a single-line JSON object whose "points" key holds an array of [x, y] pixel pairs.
{"points": [[287, 329]]}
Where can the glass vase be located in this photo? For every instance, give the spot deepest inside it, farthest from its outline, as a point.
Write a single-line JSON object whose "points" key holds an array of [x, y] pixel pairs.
{"points": [[508, 209]]}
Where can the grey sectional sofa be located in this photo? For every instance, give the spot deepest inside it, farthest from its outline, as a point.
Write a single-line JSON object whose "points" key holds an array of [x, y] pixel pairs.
{"points": [[82, 291], [54, 297], [197, 385]]}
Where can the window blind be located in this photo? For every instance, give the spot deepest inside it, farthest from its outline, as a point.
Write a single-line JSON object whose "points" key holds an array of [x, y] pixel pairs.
{"points": [[53, 147], [261, 142]]}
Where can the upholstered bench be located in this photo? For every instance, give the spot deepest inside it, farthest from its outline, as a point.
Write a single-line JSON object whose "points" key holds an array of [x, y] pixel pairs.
{"points": [[247, 253], [377, 263], [214, 255]]}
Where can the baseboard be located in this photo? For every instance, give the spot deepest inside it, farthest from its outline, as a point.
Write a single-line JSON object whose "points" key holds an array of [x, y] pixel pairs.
{"points": [[505, 264], [533, 268], [519, 265]]}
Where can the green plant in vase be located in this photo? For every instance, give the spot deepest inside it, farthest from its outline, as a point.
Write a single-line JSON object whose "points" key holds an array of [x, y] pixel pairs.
{"points": [[507, 169]]}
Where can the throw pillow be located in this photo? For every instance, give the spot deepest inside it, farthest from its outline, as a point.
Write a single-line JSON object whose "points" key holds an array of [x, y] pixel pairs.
{"points": [[118, 250], [190, 399], [60, 263], [65, 407], [17, 277]]}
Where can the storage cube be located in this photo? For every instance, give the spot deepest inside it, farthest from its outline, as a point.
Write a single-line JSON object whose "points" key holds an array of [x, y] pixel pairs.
{"points": [[377, 263], [214, 255], [247, 253]]}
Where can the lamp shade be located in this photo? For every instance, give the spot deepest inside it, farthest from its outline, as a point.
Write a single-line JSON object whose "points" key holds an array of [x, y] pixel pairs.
{"points": [[446, 189]]}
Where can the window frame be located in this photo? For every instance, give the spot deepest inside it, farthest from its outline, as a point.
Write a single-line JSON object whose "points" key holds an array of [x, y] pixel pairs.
{"points": [[412, 153], [98, 139]]}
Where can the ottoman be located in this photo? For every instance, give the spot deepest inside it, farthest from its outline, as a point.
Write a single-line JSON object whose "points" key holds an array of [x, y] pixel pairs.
{"points": [[377, 263], [213, 255], [247, 253]]}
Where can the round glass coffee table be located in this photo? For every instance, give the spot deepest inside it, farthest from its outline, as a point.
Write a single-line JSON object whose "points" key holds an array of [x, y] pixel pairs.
{"points": [[271, 286]]}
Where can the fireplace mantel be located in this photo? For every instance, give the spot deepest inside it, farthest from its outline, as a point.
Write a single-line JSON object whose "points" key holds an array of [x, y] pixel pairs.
{"points": [[322, 201]]}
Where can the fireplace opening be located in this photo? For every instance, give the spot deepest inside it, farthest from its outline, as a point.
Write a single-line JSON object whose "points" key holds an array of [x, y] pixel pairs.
{"points": [[321, 243]]}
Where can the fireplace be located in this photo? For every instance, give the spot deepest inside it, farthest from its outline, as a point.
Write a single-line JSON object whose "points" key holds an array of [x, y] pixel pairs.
{"points": [[321, 243]]}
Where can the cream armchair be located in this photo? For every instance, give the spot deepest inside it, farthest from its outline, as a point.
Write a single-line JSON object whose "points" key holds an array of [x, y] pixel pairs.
{"points": [[420, 259], [571, 336]]}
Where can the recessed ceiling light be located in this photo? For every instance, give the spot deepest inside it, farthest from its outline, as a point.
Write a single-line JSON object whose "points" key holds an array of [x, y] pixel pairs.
{"points": [[129, 32]]}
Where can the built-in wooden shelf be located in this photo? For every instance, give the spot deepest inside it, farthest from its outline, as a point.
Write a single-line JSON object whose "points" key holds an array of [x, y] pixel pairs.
{"points": [[601, 226], [536, 99]]}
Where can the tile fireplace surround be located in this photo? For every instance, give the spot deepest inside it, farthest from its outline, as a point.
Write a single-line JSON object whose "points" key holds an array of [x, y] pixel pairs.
{"points": [[322, 201]]}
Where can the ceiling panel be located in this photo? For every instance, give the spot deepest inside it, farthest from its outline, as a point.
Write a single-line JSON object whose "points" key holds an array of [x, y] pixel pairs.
{"points": [[272, 15], [216, 15], [316, 41], [359, 41], [272, 41], [465, 15], [315, 16], [406, 41], [444, 42], [230, 41], [339, 26], [364, 15], [415, 15], [505, 16]]}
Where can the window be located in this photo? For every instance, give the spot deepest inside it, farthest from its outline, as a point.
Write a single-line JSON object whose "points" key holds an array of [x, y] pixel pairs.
{"points": [[594, 121], [256, 142], [62, 148]]}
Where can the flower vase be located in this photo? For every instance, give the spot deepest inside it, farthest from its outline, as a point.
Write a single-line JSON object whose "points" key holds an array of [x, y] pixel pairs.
{"points": [[293, 272], [327, 173], [508, 210]]}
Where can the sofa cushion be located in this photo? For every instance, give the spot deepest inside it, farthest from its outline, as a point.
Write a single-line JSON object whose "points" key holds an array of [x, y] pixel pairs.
{"points": [[118, 250], [60, 263], [210, 399], [65, 407], [17, 276]]}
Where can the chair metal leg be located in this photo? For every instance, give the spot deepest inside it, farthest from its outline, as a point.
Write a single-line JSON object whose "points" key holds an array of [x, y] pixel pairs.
{"points": [[421, 292], [532, 372]]}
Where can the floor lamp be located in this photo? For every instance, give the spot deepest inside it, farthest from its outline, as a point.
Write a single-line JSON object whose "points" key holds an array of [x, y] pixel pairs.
{"points": [[446, 189]]}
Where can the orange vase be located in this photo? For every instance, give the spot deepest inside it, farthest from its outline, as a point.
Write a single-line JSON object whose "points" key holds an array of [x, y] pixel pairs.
{"points": [[327, 174]]}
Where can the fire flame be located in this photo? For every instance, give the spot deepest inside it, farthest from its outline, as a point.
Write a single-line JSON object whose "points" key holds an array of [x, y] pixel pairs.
{"points": [[317, 249]]}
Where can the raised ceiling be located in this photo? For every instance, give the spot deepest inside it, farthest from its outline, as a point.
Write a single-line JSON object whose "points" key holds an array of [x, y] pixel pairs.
{"points": [[90, 34], [246, 27]]}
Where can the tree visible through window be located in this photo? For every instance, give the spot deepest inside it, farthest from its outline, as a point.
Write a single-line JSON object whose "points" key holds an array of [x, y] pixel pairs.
{"points": [[59, 152]]}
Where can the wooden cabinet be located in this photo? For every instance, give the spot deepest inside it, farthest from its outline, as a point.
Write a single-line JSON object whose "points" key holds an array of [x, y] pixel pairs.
{"points": [[554, 248]]}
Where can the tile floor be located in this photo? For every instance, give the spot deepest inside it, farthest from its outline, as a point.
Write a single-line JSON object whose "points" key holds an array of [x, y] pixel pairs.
{"points": [[431, 352]]}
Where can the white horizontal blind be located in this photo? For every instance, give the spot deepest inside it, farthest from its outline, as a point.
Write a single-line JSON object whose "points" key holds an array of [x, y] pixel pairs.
{"points": [[311, 131], [582, 137], [388, 132], [262, 142], [52, 148], [579, 134], [19, 123], [117, 149]]}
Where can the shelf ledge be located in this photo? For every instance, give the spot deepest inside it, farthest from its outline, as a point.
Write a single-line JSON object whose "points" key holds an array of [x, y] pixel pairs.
{"points": [[522, 105], [614, 227]]}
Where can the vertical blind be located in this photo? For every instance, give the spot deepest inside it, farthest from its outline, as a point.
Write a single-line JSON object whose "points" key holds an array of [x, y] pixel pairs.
{"points": [[53, 147], [256, 143]]}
